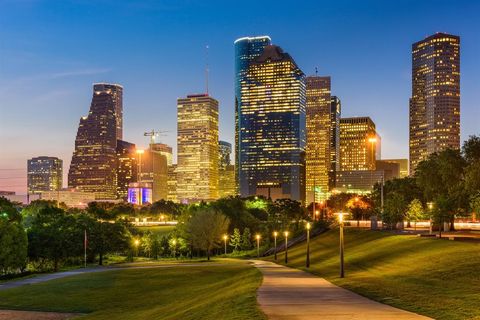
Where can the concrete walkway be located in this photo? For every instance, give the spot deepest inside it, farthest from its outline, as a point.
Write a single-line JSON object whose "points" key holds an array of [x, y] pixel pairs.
{"points": [[292, 294], [58, 275]]}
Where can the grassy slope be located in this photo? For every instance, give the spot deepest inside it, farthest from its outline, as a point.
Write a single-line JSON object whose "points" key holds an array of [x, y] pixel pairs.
{"points": [[159, 230], [438, 278], [206, 292]]}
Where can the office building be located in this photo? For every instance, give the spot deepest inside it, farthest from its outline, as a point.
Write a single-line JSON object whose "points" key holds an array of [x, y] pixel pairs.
{"points": [[127, 167], [140, 193], [335, 114], [226, 171], [94, 161], [357, 144], [154, 169], [72, 198], [44, 174], [391, 169], [246, 50], [224, 154], [197, 143], [318, 122], [172, 183], [435, 101], [272, 127], [358, 181], [402, 166]]}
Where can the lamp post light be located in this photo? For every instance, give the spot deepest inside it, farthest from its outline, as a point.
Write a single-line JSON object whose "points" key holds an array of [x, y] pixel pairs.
{"points": [[174, 242], [275, 234], [307, 264], [136, 244], [286, 246], [225, 237], [430, 207], [342, 270], [258, 245]]}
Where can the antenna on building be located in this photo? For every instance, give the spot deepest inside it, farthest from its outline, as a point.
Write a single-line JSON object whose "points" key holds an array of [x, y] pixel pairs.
{"points": [[316, 72], [206, 68]]}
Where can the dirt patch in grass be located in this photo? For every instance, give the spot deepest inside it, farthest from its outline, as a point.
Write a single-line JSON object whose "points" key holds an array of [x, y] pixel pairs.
{"points": [[35, 315]]}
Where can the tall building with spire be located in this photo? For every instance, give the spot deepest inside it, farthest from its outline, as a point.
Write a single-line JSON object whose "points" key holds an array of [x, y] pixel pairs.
{"points": [[271, 118], [94, 161], [318, 122], [197, 143], [435, 101], [246, 50]]}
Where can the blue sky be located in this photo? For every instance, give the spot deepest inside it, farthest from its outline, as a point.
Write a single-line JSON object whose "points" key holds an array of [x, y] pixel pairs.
{"points": [[52, 51]]}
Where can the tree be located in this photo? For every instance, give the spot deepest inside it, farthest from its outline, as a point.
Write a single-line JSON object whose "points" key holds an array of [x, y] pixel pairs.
{"points": [[106, 237], [13, 239], [475, 204], [206, 228], [394, 211], [415, 211], [358, 207], [246, 239], [471, 149], [236, 240]]}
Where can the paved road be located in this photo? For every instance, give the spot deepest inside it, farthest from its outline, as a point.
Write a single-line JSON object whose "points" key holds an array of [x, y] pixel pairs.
{"points": [[58, 275], [292, 294]]}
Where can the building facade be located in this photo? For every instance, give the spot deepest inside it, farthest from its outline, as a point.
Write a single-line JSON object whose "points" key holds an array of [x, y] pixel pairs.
{"points": [[154, 169], [357, 144], [94, 161], [127, 167], [71, 198], [172, 183], [197, 142], [44, 174], [272, 133], [335, 115], [226, 171], [435, 102], [246, 50], [317, 151]]}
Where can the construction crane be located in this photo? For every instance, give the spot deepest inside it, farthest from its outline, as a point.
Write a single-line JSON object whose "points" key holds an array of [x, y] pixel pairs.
{"points": [[152, 134]]}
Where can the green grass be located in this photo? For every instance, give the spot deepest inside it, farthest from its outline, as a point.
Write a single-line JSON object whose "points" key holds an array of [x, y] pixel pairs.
{"points": [[437, 278], [159, 230], [204, 292]]}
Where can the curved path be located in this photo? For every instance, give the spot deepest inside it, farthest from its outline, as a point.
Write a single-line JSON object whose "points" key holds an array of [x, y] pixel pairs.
{"points": [[293, 294]]}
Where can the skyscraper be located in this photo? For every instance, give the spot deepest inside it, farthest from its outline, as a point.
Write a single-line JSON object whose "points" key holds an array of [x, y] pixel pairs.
{"points": [[246, 50], [317, 156], [44, 174], [126, 167], [154, 169], [357, 149], [94, 161], [435, 101], [272, 126], [226, 171], [197, 141], [335, 114]]}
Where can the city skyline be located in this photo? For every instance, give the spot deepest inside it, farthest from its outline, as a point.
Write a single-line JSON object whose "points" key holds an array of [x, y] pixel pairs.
{"points": [[142, 113]]}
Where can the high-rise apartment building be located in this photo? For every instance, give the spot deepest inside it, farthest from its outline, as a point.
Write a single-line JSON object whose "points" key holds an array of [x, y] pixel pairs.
{"points": [[435, 101], [335, 114], [318, 122], [94, 161], [357, 144], [272, 127], [126, 167], [246, 50], [197, 141], [44, 174]]}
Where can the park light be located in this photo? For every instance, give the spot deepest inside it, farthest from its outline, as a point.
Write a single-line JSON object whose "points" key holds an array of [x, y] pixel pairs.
{"points": [[286, 246], [275, 234], [140, 151], [307, 262], [225, 237], [342, 269], [258, 245], [136, 242], [372, 140]]}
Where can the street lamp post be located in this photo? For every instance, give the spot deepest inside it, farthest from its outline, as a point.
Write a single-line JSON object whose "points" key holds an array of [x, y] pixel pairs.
{"points": [[430, 207], [275, 234], [225, 237], [307, 264], [342, 270], [136, 243], [258, 245], [286, 246], [174, 241]]}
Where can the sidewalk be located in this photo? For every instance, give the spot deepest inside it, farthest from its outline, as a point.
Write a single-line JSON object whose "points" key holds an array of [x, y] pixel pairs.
{"points": [[288, 293]]}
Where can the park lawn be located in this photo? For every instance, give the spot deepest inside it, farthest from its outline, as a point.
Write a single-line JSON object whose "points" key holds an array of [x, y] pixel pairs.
{"points": [[158, 230], [436, 278], [226, 291]]}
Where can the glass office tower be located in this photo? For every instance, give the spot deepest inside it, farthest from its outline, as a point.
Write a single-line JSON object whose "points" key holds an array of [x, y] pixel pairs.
{"points": [[44, 174], [272, 129], [246, 50]]}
